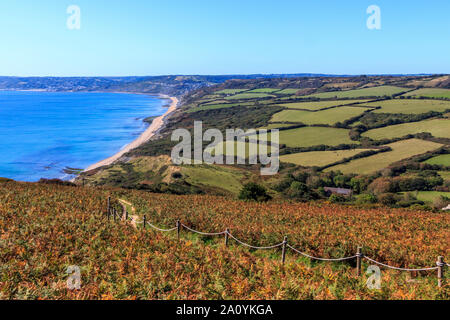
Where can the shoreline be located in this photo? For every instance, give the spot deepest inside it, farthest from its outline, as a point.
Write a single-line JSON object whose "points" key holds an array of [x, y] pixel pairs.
{"points": [[154, 127]]}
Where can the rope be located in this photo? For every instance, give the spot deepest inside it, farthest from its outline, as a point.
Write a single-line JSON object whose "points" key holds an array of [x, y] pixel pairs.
{"points": [[204, 233], [162, 230], [400, 269], [254, 247], [321, 259], [360, 255]]}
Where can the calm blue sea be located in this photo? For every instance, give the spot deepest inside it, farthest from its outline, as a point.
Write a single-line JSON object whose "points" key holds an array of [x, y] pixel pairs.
{"points": [[41, 133]]}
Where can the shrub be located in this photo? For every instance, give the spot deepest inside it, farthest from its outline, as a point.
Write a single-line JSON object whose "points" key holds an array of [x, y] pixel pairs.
{"points": [[367, 198], [387, 199], [255, 192], [335, 198]]}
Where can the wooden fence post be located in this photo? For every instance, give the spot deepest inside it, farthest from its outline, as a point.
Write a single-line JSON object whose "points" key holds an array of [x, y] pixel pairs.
{"points": [[124, 213], [440, 264], [114, 213], [108, 211], [178, 229], [145, 222], [283, 252], [358, 260], [226, 237]]}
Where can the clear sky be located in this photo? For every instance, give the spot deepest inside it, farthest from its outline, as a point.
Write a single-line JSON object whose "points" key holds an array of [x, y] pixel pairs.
{"points": [[147, 37]]}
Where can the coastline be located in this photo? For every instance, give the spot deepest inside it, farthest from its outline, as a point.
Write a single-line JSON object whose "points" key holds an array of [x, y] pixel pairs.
{"points": [[154, 127]]}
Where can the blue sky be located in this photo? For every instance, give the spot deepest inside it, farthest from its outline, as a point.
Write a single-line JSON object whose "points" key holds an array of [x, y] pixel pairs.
{"points": [[138, 37]]}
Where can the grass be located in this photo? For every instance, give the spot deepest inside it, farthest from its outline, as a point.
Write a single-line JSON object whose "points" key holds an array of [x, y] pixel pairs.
{"points": [[249, 96], [430, 93], [430, 196], [366, 92], [443, 160], [223, 148], [317, 105], [230, 91], [437, 127], [220, 177], [329, 116], [319, 158], [288, 91], [410, 106], [313, 136], [445, 175], [400, 150], [264, 90]]}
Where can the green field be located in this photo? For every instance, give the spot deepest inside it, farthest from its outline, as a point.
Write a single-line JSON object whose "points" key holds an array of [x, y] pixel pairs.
{"points": [[400, 150], [366, 92], [410, 106], [313, 136], [317, 105], [214, 176], [264, 90], [443, 160], [437, 127], [430, 196], [230, 91], [288, 91], [329, 116], [430, 93], [445, 175], [319, 158], [226, 147], [246, 95], [217, 106]]}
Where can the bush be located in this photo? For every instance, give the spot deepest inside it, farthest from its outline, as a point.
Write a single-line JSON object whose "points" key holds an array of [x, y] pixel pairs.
{"points": [[255, 192], [335, 198], [387, 199], [57, 182], [366, 198]]}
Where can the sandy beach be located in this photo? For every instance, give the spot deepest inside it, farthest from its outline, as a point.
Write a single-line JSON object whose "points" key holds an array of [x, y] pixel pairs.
{"points": [[144, 137]]}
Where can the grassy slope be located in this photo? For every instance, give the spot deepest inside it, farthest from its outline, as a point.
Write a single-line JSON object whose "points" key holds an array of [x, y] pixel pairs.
{"points": [[319, 158], [430, 196], [430, 93], [317, 105], [44, 229], [400, 150], [410, 106], [443, 160], [312, 136], [437, 127], [366, 92], [330, 116]]}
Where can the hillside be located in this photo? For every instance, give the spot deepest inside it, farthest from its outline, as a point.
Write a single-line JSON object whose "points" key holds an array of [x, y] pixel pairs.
{"points": [[332, 129], [46, 228]]}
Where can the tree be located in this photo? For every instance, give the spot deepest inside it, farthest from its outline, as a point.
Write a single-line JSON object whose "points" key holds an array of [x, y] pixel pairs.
{"points": [[255, 192]]}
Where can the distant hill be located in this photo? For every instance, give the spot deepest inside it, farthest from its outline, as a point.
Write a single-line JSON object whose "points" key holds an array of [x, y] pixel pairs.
{"points": [[172, 85]]}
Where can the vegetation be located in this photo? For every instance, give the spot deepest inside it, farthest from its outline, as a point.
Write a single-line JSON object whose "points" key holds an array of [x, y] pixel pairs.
{"points": [[318, 105], [329, 116], [443, 160], [437, 127], [430, 93], [319, 158], [255, 192], [400, 150], [380, 91], [46, 228], [409, 106], [313, 136]]}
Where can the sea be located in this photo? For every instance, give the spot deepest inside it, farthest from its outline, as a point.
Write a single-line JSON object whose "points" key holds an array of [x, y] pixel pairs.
{"points": [[43, 134]]}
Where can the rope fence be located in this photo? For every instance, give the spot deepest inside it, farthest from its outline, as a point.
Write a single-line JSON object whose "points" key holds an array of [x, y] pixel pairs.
{"points": [[359, 256]]}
